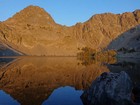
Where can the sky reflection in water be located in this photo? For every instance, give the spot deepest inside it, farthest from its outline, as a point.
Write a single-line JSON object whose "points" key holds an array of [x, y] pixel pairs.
{"points": [[6, 99], [61, 96], [65, 96]]}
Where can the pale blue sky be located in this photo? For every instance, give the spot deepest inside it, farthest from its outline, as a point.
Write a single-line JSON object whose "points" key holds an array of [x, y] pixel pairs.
{"points": [[69, 12]]}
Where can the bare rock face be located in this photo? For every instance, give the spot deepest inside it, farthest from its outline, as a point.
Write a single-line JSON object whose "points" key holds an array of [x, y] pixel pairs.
{"points": [[32, 31], [110, 89]]}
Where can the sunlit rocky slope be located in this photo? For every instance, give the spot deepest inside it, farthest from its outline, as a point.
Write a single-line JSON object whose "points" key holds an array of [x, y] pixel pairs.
{"points": [[32, 31]]}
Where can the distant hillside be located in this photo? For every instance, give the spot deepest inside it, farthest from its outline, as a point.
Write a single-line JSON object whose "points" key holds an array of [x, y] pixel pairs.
{"points": [[32, 31]]}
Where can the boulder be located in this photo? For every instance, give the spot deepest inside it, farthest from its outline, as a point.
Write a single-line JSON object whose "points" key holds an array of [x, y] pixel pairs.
{"points": [[110, 89]]}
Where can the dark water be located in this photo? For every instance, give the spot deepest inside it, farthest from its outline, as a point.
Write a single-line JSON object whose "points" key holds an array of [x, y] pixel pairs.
{"points": [[54, 80]]}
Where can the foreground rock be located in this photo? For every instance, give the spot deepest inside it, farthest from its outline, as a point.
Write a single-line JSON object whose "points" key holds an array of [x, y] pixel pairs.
{"points": [[111, 89]]}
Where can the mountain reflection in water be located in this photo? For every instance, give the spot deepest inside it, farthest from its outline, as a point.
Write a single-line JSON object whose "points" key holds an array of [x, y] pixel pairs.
{"points": [[51, 80], [31, 80]]}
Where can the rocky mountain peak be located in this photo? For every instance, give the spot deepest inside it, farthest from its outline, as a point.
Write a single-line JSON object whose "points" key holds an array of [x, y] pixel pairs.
{"points": [[32, 15], [137, 14], [137, 11]]}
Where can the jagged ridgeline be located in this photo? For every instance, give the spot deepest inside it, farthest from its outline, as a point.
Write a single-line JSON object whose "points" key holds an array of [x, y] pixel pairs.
{"points": [[32, 31]]}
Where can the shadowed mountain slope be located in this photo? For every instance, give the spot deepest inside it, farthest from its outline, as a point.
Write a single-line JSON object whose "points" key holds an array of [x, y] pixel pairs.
{"points": [[8, 51], [128, 43]]}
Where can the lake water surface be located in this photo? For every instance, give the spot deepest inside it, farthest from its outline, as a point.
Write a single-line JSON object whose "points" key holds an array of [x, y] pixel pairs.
{"points": [[54, 80]]}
